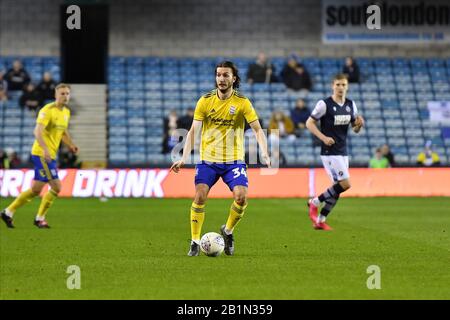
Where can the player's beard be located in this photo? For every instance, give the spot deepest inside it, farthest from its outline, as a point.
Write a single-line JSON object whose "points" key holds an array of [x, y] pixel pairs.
{"points": [[226, 89]]}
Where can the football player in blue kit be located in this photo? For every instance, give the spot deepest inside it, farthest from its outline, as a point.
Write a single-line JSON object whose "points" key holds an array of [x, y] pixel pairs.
{"points": [[335, 113]]}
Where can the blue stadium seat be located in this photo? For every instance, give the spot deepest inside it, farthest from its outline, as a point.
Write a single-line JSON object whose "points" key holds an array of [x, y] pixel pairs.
{"points": [[117, 129]]}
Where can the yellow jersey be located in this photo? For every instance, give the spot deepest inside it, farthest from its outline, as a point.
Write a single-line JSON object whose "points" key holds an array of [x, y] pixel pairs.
{"points": [[55, 121], [223, 126]]}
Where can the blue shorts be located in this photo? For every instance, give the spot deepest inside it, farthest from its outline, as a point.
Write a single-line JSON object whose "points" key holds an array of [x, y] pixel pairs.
{"points": [[44, 171], [233, 174]]}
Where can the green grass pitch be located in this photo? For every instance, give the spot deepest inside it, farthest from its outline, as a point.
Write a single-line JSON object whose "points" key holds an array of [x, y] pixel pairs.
{"points": [[136, 249]]}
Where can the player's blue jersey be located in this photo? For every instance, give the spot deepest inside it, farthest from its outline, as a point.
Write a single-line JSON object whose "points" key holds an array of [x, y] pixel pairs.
{"points": [[334, 122]]}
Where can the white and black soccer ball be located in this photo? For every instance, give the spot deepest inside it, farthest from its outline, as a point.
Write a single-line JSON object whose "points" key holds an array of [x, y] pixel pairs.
{"points": [[212, 244]]}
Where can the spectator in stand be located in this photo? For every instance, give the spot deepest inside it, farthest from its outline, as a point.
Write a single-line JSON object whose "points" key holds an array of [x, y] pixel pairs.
{"points": [[279, 121], [170, 125], [351, 69], [17, 77], [387, 153], [47, 87], [31, 98], [185, 122], [4, 160], [14, 160], [378, 161], [428, 158], [299, 115], [3, 88], [261, 71], [67, 159], [295, 76]]}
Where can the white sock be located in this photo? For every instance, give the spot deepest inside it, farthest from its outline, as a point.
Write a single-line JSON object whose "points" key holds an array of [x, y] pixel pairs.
{"points": [[38, 218], [9, 213], [321, 218], [196, 241], [316, 201]]}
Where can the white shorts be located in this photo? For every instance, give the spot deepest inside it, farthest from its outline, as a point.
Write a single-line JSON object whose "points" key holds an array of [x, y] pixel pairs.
{"points": [[336, 167]]}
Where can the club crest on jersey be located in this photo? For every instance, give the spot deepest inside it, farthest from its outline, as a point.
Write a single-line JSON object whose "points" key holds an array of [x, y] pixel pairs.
{"points": [[232, 109], [347, 108], [342, 119], [334, 108]]}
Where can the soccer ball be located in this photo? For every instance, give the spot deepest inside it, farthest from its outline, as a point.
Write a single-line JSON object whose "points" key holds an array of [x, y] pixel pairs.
{"points": [[212, 244]]}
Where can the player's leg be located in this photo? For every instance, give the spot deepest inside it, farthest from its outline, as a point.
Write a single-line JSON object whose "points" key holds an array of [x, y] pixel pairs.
{"points": [[41, 177], [205, 177], [46, 203], [237, 208], [235, 177], [198, 211], [23, 198], [337, 169], [341, 167], [47, 200]]}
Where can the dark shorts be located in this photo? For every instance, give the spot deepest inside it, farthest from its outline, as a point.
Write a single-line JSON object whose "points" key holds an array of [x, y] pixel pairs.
{"points": [[234, 174], [44, 171]]}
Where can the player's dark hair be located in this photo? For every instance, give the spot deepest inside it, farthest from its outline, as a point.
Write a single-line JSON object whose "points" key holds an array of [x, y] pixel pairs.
{"points": [[340, 76], [232, 66]]}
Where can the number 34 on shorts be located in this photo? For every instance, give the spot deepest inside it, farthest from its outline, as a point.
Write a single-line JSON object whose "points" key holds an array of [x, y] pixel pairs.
{"points": [[232, 174], [238, 171]]}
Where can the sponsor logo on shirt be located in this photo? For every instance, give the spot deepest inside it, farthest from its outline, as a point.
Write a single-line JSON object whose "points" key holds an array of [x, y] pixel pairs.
{"points": [[222, 122], [340, 120]]}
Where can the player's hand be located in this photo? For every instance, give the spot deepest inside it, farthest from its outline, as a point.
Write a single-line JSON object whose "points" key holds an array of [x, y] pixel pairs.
{"points": [[47, 156], [329, 141], [359, 121], [176, 166], [266, 160], [358, 124], [74, 149]]}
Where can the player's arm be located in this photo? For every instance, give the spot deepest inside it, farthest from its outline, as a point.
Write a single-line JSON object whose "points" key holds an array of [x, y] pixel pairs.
{"points": [[252, 119], [358, 123], [38, 134], [357, 120], [67, 139], [311, 124], [262, 140], [318, 112], [191, 137]]}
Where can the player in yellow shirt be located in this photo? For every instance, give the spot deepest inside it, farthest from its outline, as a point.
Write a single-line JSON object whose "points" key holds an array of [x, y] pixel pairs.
{"points": [[220, 117], [51, 127]]}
